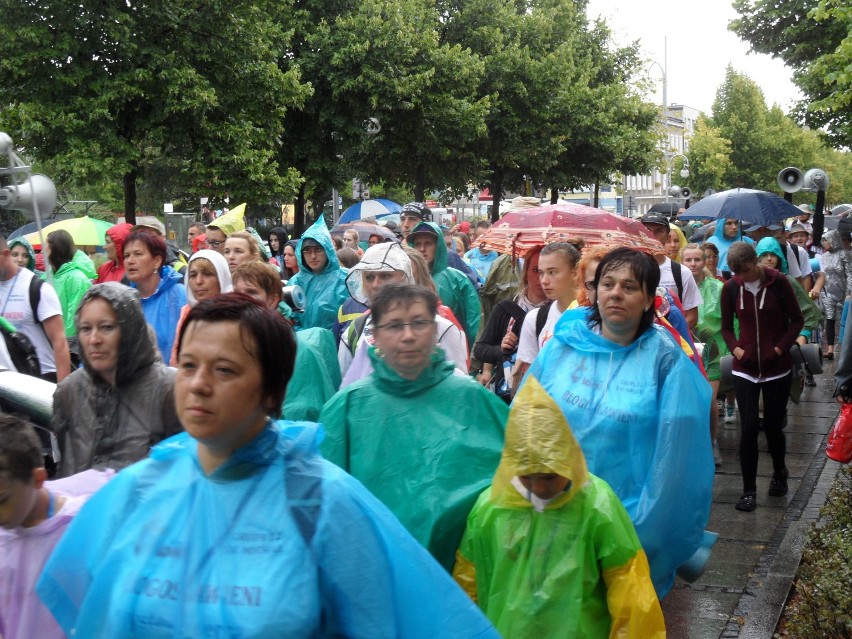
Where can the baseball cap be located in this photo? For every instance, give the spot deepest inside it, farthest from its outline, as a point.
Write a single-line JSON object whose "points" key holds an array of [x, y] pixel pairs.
{"points": [[757, 227], [416, 209], [655, 218]]}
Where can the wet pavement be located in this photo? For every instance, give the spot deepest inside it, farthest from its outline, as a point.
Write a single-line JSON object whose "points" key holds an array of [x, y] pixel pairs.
{"points": [[742, 593]]}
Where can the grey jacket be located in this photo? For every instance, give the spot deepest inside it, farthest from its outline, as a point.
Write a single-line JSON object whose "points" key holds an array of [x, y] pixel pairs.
{"points": [[99, 425]]}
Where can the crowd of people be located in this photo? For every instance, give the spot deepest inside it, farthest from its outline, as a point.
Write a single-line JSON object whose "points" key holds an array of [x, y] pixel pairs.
{"points": [[439, 441]]}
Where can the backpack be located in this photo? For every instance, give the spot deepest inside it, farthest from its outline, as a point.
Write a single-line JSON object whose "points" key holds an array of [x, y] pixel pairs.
{"points": [[541, 318], [677, 274], [21, 350]]}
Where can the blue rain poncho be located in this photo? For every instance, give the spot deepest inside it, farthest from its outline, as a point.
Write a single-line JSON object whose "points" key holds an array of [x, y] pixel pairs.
{"points": [[641, 415], [277, 542], [162, 309], [325, 291], [723, 243]]}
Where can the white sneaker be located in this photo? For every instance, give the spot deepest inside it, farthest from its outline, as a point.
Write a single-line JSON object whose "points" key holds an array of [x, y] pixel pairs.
{"points": [[730, 415]]}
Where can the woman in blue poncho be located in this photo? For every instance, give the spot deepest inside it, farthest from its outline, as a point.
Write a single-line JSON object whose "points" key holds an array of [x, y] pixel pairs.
{"points": [[237, 527], [727, 232], [161, 289], [639, 409]]}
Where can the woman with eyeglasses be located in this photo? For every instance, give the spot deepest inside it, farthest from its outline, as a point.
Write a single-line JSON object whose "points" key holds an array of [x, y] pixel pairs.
{"points": [[638, 407], [422, 437], [557, 271]]}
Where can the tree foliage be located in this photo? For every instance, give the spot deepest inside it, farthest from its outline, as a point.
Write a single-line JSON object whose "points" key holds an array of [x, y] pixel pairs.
{"points": [[816, 43], [106, 90], [709, 158]]}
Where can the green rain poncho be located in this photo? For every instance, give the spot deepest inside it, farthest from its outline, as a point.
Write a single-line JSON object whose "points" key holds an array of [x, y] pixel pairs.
{"points": [[71, 282], [316, 375], [454, 289], [570, 567], [426, 448], [324, 291]]}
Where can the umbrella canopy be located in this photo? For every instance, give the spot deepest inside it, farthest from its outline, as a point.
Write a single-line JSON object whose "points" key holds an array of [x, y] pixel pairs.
{"points": [[519, 231], [369, 209], [365, 230], [842, 209], [747, 205], [85, 231], [666, 208]]}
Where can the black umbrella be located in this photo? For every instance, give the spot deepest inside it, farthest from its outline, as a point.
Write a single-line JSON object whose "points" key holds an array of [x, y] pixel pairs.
{"points": [[666, 208]]}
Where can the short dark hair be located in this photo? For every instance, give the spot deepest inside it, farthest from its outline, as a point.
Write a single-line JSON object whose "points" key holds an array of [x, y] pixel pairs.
{"points": [[644, 268], [62, 248], [155, 244], [199, 225], [20, 448], [740, 254], [483, 224], [710, 246], [394, 295], [265, 334]]}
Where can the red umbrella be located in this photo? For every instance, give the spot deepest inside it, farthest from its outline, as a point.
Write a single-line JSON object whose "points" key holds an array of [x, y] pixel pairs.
{"points": [[519, 231]]}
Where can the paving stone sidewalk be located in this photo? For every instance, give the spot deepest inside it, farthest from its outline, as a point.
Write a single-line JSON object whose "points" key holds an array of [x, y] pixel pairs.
{"points": [[748, 578]]}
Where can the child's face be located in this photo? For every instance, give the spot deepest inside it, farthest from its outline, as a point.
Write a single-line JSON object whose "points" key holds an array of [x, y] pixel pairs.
{"points": [[544, 485], [17, 502]]}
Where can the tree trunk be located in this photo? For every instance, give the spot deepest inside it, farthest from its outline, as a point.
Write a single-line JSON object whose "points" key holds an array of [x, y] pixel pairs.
{"points": [[596, 198], [299, 213], [130, 196], [420, 184], [554, 195], [497, 194]]}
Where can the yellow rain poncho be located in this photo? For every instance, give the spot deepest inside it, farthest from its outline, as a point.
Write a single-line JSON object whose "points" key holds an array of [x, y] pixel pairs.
{"points": [[570, 567]]}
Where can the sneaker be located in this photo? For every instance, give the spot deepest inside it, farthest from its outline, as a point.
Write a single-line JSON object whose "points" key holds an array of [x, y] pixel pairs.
{"points": [[747, 502], [720, 405], [810, 381], [730, 416], [778, 484], [717, 454]]}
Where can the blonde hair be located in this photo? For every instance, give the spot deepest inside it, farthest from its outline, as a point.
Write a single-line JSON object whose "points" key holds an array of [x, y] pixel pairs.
{"points": [[254, 249], [420, 269], [692, 246]]}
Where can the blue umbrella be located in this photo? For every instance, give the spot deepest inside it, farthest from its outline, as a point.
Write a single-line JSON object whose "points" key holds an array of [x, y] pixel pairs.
{"points": [[369, 209], [748, 205]]}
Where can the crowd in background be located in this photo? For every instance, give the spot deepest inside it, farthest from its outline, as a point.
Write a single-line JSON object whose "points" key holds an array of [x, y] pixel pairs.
{"points": [[536, 431]]}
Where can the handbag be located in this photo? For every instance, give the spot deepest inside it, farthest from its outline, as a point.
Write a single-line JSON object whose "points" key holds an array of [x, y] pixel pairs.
{"points": [[839, 447]]}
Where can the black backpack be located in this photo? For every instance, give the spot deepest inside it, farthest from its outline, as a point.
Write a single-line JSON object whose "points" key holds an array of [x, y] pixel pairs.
{"points": [[21, 351]]}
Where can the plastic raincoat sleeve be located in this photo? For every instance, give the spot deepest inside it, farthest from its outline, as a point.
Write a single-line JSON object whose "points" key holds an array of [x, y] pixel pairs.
{"points": [[245, 556], [316, 375]]}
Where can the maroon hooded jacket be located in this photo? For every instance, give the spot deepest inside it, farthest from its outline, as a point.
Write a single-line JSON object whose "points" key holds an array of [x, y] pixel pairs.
{"points": [[768, 319]]}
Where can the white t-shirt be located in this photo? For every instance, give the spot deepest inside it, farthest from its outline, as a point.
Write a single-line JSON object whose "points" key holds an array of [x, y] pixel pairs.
{"points": [[528, 343], [798, 267], [691, 297], [15, 307]]}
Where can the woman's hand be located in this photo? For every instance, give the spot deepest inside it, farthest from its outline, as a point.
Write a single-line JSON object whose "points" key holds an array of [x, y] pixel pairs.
{"points": [[738, 353], [485, 374], [813, 293], [509, 343]]}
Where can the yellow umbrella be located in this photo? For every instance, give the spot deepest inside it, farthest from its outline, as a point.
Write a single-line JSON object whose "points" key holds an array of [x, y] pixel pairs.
{"points": [[85, 231]]}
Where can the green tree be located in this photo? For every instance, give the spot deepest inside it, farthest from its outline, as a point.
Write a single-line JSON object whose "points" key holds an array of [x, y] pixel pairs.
{"points": [[135, 84], [388, 63], [709, 158], [816, 43]]}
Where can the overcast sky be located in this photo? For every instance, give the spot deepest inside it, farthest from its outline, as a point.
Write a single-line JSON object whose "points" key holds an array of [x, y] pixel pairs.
{"points": [[700, 47]]}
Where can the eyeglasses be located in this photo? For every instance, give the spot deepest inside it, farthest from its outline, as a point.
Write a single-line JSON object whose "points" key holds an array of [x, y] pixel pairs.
{"points": [[397, 328], [215, 243], [313, 250], [590, 285]]}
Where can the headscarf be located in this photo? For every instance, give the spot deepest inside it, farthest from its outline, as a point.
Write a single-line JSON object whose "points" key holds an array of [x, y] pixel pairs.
{"points": [[222, 273]]}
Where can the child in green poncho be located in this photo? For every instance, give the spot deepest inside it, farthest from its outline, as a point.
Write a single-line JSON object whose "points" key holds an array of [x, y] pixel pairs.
{"points": [[549, 550]]}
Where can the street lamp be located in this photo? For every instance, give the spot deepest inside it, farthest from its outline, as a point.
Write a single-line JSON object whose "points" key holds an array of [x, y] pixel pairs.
{"points": [[684, 172]]}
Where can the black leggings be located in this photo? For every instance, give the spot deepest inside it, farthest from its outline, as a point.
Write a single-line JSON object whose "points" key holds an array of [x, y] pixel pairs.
{"points": [[775, 394], [829, 332]]}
